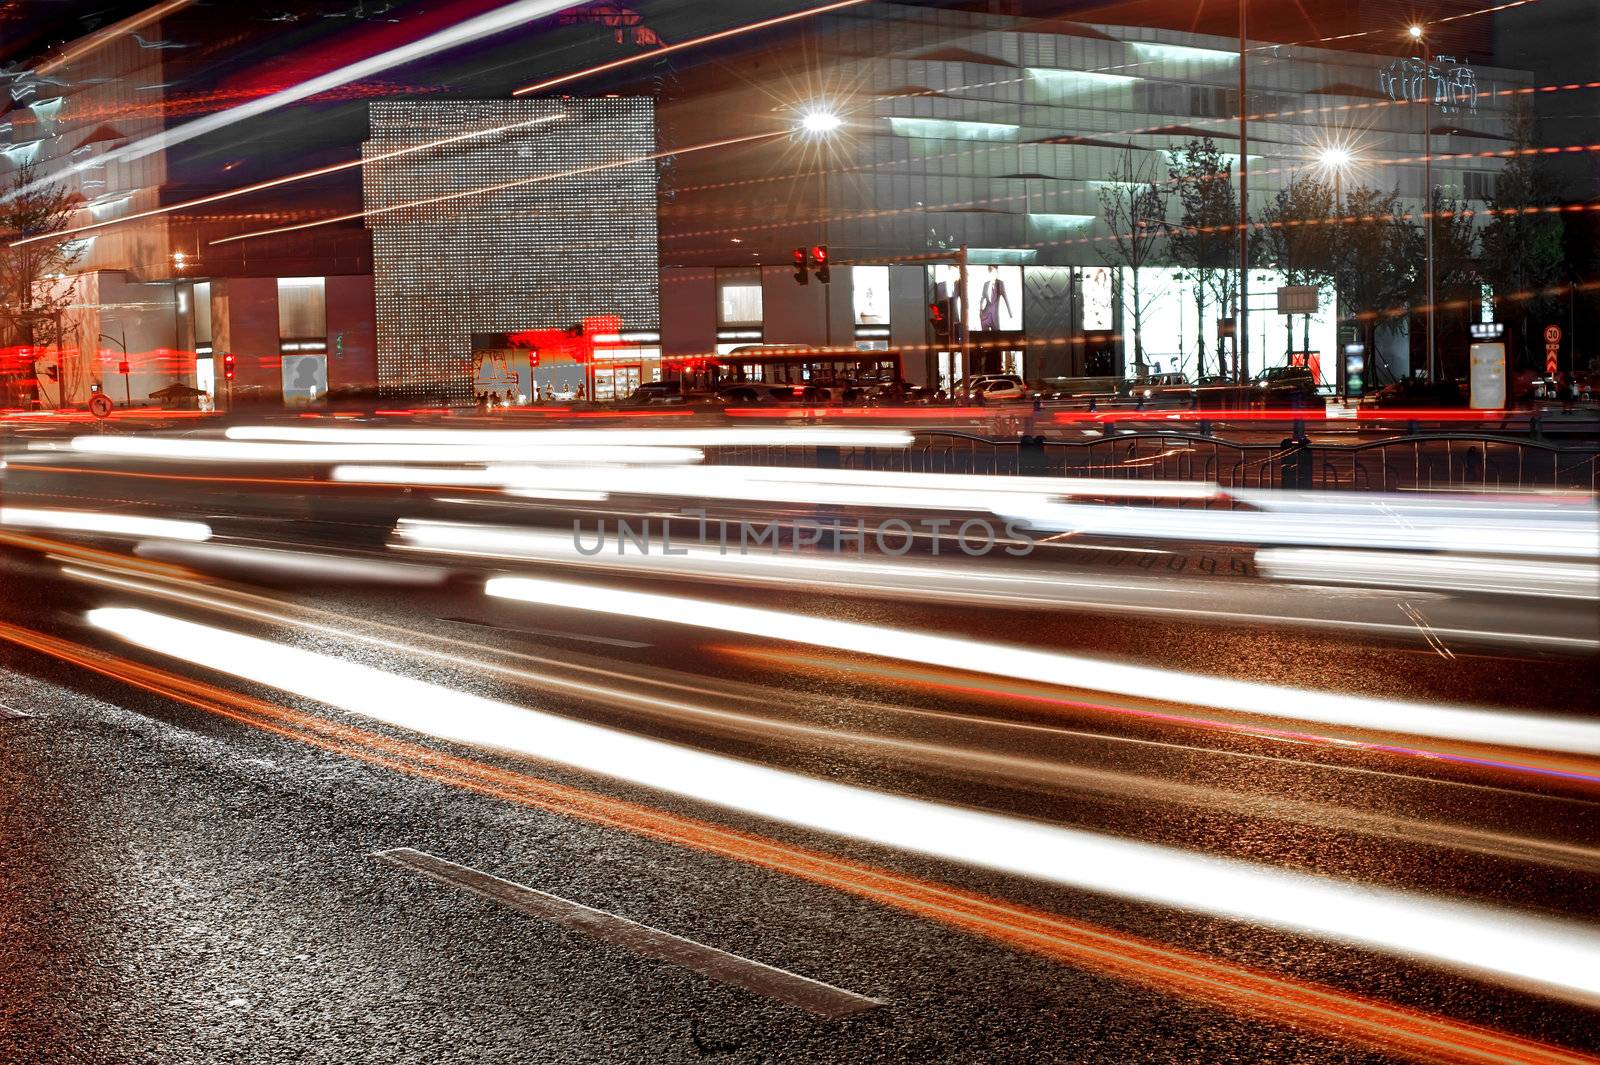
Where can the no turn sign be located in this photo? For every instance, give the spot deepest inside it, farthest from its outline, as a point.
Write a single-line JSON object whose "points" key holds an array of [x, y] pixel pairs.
{"points": [[100, 405]]}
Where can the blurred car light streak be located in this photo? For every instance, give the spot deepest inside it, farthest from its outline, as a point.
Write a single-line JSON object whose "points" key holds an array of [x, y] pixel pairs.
{"points": [[1557, 957], [1474, 725], [102, 522]]}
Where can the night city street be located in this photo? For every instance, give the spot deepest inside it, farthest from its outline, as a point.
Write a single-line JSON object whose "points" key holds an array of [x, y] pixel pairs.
{"points": [[972, 531]]}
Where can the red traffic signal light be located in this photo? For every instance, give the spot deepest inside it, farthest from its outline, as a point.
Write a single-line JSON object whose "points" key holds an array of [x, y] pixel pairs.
{"points": [[939, 314], [228, 361], [800, 273], [819, 260]]}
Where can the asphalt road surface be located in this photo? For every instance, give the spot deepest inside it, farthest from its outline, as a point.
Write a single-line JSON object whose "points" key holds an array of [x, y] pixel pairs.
{"points": [[311, 804]]}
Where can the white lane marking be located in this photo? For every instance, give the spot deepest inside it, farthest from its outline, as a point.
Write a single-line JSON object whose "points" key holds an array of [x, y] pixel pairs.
{"points": [[816, 997], [11, 713]]}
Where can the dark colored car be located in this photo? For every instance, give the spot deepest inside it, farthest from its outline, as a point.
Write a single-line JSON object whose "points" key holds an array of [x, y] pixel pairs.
{"points": [[1287, 381], [653, 393], [1420, 394]]}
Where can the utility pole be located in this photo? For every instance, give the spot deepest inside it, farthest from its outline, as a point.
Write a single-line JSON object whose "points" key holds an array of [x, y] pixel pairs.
{"points": [[1241, 336], [827, 290], [1427, 184], [127, 383], [961, 319]]}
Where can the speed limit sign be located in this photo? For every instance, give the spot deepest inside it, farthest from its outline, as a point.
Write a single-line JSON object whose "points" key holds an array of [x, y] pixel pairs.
{"points": [[100, 405]]}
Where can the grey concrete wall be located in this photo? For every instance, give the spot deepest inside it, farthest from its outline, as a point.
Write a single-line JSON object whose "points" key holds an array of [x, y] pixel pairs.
{"points": [[908, 321], [688, 311], [351, 315], [244, 320], [793, 312], [146, 315]]}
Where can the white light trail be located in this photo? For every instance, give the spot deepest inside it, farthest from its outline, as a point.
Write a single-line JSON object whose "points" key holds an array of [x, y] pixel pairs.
{"points": [[297, 565], [1454, 573], [287, 179], [488, 24], [1560, 532], [758, 437], [244, 451], [500, 186], [98, 521], [1500, 727], [1556, 957]]}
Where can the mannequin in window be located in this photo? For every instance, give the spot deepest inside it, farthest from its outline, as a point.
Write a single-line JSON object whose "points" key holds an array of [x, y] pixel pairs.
{"points": [[994, 294]]}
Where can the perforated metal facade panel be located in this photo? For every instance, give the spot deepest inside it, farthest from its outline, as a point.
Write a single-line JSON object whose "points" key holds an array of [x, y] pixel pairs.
{"points": [[547, 220]]}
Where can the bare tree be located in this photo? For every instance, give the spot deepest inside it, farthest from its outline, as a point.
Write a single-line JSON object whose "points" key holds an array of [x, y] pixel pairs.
{"points": [[1523, 251], [1202, 242], [35, 291], [1375, 261], [1135, 207], [1298, 239]]}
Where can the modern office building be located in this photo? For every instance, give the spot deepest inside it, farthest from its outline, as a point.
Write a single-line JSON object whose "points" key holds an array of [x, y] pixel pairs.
{"points": [[998, 132], [979, 125]]}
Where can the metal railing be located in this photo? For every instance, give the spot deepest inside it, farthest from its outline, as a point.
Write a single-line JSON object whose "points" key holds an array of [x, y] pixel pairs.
{"points": [[1415, 462]]}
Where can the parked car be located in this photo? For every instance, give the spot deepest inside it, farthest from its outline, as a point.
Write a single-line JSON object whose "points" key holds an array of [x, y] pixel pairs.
{"points": [[756, 392], [996, 387], [1416, 393], [1147, 387], [654, 393], [1287, 381]]}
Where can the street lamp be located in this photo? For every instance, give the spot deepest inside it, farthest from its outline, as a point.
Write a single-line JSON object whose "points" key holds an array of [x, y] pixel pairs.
{"points": [[1335, 161], [1418, 35], [820, 122]]}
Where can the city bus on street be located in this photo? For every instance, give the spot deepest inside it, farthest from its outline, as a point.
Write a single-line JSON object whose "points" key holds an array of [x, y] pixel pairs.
{"points": [[760, 373]]}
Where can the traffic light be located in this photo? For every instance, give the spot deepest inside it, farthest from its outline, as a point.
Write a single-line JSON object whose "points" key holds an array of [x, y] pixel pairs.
{"points": [[801, 274], [819, 260], [228, 361], [939, 316]]}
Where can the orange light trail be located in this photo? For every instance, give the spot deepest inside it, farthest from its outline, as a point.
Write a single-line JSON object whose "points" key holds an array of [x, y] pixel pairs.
{"points": [[695, 42], [501, 186], [1324, 1010], [287, 179]]}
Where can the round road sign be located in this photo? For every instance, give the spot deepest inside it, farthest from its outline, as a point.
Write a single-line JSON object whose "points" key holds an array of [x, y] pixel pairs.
{"points": [[100, 405]]}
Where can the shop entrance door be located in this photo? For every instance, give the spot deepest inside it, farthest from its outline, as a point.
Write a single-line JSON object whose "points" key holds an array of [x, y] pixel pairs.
{"points": [[615, 382]]}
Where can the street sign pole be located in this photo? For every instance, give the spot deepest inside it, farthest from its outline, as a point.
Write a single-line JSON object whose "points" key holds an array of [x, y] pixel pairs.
{"points": [[1552, 349]]}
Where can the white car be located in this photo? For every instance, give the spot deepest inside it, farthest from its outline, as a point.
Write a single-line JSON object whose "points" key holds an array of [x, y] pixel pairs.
{"points": [[562, 393], [996, 387]]}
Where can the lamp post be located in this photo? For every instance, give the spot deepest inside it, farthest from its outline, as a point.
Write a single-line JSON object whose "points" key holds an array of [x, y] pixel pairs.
{"points": [[1420, 36], [1241, 338], [127, 383], [819, 123]]}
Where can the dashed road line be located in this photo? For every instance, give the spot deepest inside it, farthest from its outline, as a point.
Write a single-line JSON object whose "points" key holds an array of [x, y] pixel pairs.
{"points": [[816, 997]]}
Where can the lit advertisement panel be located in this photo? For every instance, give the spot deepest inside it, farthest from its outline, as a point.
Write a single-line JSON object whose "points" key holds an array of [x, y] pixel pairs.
{"points": [[995, 303]]}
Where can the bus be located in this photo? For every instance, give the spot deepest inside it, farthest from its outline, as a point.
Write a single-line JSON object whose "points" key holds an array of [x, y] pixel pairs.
{"points": [[771, 372]]}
